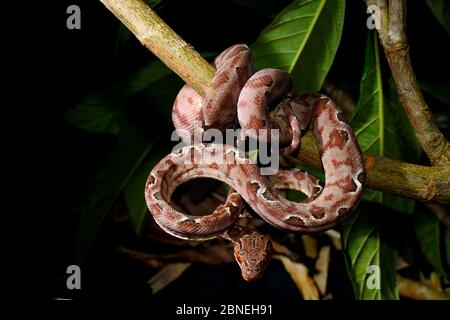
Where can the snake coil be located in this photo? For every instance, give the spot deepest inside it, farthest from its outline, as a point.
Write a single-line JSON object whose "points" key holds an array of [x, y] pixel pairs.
{"points": [[238, 93]]}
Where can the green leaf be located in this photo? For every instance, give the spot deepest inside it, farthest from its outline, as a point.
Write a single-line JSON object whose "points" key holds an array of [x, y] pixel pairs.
{"points": [[302, 40], [441, 10], [361, 238], [98, 113], [133, 145], [381, 126], [432, 237], [134, 191], [440, 91], [378, 122]]}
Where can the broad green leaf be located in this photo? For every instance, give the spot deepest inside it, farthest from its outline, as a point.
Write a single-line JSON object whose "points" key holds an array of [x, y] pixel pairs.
{"points": [[133, 145], [364, 249], [441, 10], [373, 125], [381, 126], [302, 40], [134, 191], [440, 91], [98, 113], [432, 237]]}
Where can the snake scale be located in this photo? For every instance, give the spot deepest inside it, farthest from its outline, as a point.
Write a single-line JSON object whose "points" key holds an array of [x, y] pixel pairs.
{"points": [[239, 94]]}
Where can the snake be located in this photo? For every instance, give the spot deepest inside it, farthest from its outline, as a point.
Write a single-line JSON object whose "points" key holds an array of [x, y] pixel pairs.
{"points": [[256, 100]]}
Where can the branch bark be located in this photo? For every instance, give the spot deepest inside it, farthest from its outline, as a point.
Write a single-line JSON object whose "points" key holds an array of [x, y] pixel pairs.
{"points": [[387, 175], [431, 184], [395, 43], [160, 39]]}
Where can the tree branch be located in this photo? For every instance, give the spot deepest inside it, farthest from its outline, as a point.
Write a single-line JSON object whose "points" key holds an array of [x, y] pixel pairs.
{"points": [[395, 43], [160, 39], [413, 181], [387, 175]]}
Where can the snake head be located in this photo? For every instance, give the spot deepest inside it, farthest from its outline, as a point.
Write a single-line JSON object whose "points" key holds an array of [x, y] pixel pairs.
{"points": [[252, 252]]}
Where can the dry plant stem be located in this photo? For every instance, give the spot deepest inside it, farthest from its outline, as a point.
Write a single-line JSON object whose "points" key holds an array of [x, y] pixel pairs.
{"points": [[419, 291], [392, 176], [160, 39], [394, 41], [440, 213]]}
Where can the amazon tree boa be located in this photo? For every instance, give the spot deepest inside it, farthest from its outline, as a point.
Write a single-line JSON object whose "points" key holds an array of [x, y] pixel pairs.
{"points": [[238, 93]]}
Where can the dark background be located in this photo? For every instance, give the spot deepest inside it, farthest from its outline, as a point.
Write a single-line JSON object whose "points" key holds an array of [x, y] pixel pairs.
{"points": [[75, 63]]}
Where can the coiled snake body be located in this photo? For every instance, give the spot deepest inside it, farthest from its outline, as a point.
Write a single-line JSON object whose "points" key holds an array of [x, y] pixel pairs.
{"points": [[237, 92]]}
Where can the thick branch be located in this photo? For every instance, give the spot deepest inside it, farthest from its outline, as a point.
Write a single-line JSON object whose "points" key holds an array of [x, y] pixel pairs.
{"points": [[392, 176], [404, 179], [160, 39], [393, 38]]}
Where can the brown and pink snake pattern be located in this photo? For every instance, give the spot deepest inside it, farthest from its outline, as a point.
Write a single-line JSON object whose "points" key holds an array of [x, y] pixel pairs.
{"points": [[237, 94]]}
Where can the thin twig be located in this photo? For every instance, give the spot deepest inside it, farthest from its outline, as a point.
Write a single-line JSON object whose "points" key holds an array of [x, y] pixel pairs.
{"points": [[395, 43], [440, 213], [392, 176]]}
